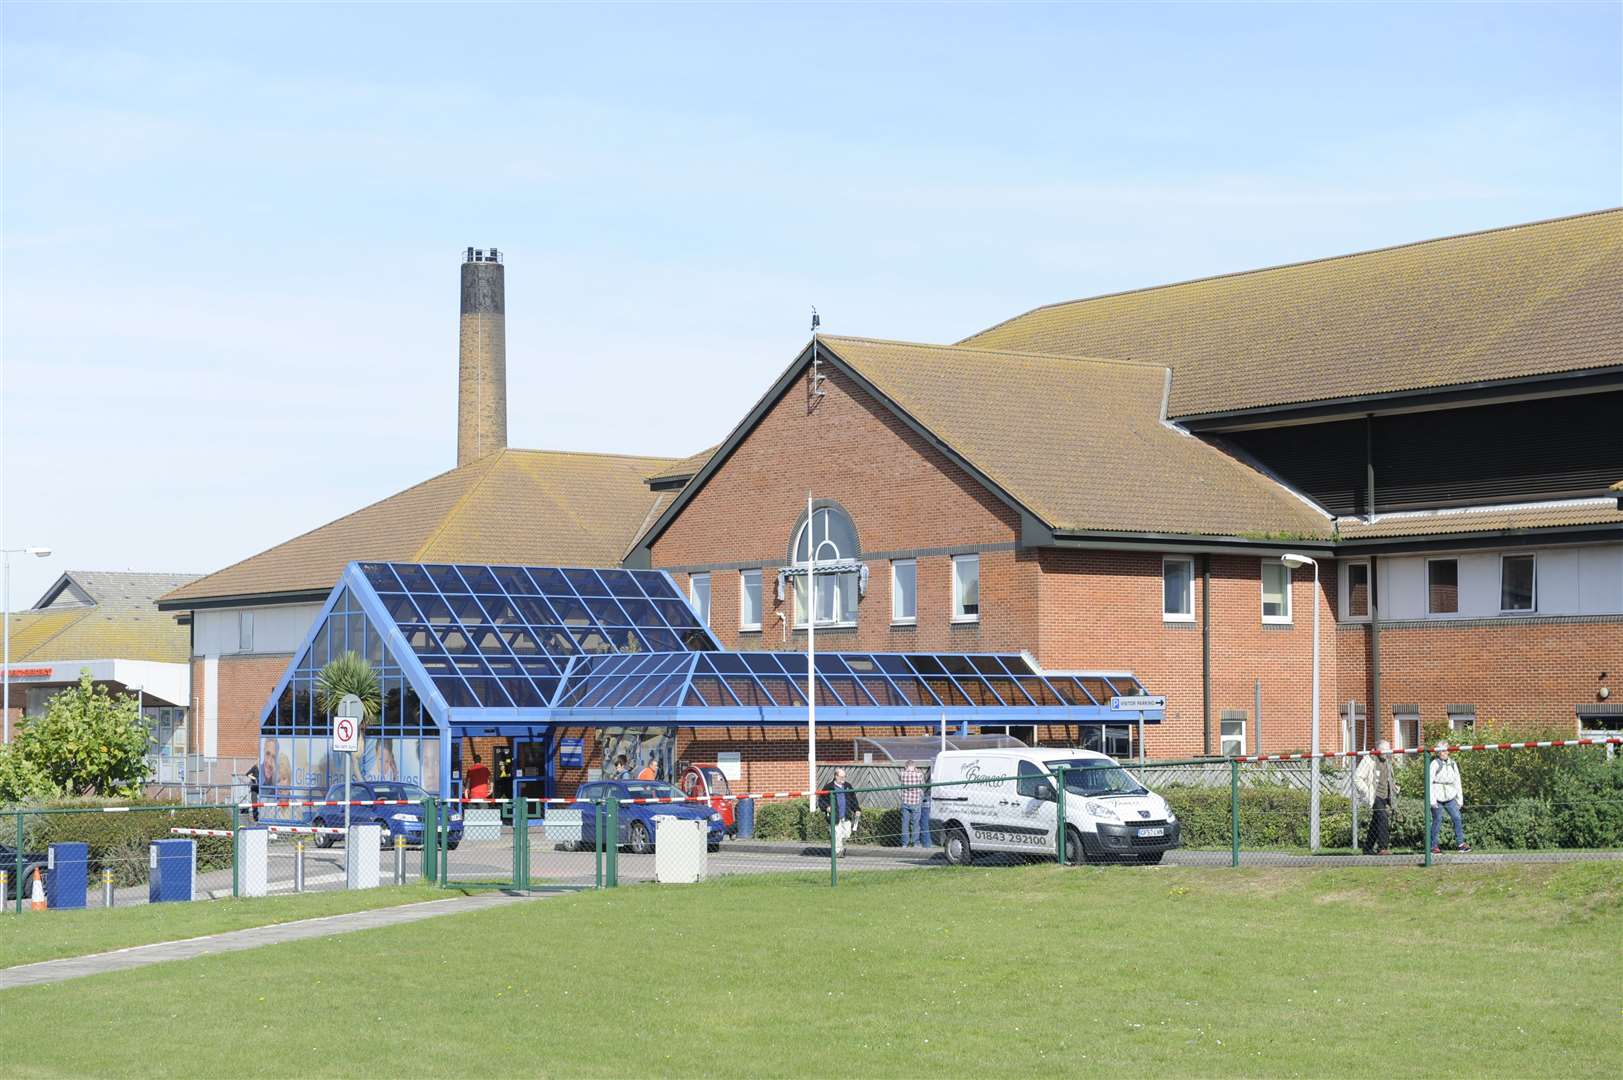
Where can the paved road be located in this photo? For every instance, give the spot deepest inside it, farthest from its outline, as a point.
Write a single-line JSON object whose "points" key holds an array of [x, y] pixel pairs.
{"points": [[50, 971]]}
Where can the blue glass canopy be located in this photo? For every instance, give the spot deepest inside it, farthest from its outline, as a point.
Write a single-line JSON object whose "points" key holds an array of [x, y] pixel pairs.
{"points": [[511, 647]]}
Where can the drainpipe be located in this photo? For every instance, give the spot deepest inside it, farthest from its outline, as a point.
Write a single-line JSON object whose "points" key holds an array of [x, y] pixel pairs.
{"points": [[1375, 647], [1206, 655]]}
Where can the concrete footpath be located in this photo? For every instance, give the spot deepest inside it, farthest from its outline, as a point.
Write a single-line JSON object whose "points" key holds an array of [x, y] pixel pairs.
{"points": [[75, 967]]}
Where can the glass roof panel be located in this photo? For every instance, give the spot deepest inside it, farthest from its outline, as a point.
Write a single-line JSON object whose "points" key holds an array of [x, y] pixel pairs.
{"points": [[586, 582], [550, 580], [514, 581], [620, 583], [413, 577], [446, 579], [479, 579], [654, 584], [381, 577]]}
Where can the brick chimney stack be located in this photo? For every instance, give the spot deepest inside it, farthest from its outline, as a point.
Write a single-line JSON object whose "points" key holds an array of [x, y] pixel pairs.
{"points": [[481, 414]]}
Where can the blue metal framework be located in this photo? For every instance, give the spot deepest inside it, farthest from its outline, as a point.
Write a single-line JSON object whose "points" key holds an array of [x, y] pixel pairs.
{"points": [[519, 650]]}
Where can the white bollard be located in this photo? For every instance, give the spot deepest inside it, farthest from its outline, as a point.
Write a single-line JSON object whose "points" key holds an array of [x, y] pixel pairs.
{"points": [[253, 861], [361, 856]]}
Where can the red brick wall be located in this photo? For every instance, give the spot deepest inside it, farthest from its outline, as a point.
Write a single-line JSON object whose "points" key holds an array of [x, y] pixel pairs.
{"points": [[1523, 676], [1102, 610], [246, 683], [902, 494]]}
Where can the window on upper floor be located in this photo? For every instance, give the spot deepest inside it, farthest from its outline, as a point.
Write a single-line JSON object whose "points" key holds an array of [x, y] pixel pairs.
{"points": [[1442, 586], [245, 631], [1356, 605], [1178, 590], [1518, 583], [749, 599], [830, 538], [1276, 591], [904, 591], [699, 596], [966, 588]]}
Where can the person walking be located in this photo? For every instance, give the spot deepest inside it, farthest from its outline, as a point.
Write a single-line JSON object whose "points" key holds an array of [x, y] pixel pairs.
{"points": [[1447, 793], [847, 811], [1378, 786], [913, 805]]}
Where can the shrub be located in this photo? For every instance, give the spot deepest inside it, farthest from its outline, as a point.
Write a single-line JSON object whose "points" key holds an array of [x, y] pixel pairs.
{"points": [[22, 780], [119, 842], [88, 742], [793, 820], [1270, 817], [780, 820]]}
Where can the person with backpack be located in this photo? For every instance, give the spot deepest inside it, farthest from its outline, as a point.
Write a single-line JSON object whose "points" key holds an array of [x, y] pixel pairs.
{"points": [[1447, 793]]}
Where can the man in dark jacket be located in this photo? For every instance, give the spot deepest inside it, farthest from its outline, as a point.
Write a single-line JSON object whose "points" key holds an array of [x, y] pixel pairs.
{"points": [[847, 812]]}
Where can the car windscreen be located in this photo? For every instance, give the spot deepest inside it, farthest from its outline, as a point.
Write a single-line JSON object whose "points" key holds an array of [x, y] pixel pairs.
{"points": [[399, 791], [718, 782], [1098, 776], [648, 791]]}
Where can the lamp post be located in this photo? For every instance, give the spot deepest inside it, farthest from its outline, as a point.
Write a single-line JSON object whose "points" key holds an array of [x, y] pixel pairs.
{"points": [[1292, 561], [5, 671]]}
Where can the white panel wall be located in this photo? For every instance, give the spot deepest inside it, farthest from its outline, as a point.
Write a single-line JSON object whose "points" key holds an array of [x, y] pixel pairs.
{"points": [[1571, 581], [1600, 580], [1557, 583], [276, 629]]}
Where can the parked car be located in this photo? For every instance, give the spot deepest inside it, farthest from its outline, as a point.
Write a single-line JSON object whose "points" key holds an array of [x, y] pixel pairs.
{"points": [[637, 829], [32, 860], [710, 783], [404, 821], [1109, 815]]}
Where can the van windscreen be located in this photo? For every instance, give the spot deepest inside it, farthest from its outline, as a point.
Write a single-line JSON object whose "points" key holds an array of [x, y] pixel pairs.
{"points": [[1097, 776]]}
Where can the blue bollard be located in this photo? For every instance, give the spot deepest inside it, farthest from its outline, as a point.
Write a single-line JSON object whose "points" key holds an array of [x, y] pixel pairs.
{"points": [[67, 875], [174, 871]]}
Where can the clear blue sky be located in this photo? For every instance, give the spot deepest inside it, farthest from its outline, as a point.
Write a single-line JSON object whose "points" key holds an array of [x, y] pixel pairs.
{"points": [[231, 233]]}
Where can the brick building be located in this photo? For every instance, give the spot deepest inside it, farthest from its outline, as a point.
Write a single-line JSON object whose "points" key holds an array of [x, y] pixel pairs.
{"points": [[1110, 484]]}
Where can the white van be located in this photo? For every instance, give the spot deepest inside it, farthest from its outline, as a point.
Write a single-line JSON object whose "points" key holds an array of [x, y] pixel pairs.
{"points": [[1109, 815]]}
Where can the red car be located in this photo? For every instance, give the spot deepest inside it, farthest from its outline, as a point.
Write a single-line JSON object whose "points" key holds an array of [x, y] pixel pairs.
{"points": [[708, 782]]}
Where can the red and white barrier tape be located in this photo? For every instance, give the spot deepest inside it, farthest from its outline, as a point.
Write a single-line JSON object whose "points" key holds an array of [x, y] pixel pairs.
{"points": [[269, 828], [1609, 740]]}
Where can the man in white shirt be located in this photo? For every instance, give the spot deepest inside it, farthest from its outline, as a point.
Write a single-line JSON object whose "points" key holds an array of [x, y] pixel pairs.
{"points": [[1447, 793]]}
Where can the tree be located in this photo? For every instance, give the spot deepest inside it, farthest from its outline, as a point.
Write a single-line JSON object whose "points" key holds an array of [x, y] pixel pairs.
{"points": [[89, 742], [21, 780], [349, 673]]}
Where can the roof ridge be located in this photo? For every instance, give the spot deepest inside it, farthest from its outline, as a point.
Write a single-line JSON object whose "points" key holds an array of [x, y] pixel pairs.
{"points": [[461, 501], [1293, 265], [1125, 361], [586, 453]]}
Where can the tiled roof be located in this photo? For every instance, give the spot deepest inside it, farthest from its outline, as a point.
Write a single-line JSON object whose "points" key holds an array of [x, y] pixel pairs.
{"points": [[1534, 299], [1551, 515], [1080, 443], [532, 507], [123, 624], [683, 469]]}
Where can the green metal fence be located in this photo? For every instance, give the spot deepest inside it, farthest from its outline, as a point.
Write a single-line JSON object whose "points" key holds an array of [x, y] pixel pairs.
{"points": [[1527, 801]]}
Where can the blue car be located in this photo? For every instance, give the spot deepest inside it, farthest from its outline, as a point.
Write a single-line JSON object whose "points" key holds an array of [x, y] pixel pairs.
{"points": [[404, 821], [637, 820]]}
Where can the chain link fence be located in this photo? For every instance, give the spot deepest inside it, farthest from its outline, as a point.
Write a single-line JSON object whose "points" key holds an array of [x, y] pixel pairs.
{"points": [[1541, 800]]}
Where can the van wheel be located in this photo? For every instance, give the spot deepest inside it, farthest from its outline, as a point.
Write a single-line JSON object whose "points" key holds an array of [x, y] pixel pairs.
{"points": [[1152, 858], [1075, 853], [958, 850]]}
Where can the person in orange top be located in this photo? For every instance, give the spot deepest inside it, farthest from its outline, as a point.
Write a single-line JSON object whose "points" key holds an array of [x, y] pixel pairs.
{"points": [[650, 771], [477, 783]]}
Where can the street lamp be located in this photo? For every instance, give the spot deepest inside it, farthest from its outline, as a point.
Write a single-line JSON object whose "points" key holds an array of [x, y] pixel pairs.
{"points": [[1293, 561], [5, 671]]}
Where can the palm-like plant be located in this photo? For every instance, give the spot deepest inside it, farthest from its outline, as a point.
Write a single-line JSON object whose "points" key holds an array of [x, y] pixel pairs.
{"points": [[349, 673]]}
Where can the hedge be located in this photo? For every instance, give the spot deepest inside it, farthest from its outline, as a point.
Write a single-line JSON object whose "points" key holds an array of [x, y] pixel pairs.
{"points": [[793, 820], [119, 842]]}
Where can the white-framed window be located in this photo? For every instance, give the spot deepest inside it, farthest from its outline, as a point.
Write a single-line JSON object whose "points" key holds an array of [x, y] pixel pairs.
{"points": [[966, 588], [836, 600], [904, 591], [1518, 583], [749, 599], [1462, 718], [1231, 736], [245, 631], [830, 538], [1405, 730], [1276, 591], [699, 596], [1442, 586], [1355, 600], [1177, 590]]}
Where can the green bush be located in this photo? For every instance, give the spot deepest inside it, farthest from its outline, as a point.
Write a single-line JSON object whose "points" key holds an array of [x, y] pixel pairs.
{"points": [[1270, 817], [119, 842], [793, 820]]}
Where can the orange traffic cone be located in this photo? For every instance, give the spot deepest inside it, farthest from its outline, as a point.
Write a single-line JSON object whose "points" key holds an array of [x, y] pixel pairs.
{"points": [[36, 899]]}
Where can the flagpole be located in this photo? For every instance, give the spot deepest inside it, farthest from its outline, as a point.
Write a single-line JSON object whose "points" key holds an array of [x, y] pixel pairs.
{"points": [[811, 652]]}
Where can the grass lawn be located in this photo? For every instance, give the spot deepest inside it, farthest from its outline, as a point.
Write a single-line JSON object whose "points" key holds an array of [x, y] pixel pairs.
{"points": [[29, 937], [1021, 971]]}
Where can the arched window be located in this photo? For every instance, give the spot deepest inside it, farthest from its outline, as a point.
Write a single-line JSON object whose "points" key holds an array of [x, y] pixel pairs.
{"points": [[830, 538]]}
